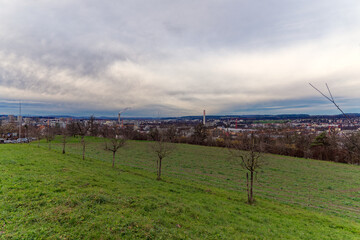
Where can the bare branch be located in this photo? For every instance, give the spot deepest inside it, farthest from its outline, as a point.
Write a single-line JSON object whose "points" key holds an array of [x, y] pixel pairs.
{"points": [[329, 92], [321, 93], [332, 101]]}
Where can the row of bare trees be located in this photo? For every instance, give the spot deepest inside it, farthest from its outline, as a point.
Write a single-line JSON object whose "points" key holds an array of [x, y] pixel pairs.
{"points": [[244, 153], [162, 145], [115, 138]]}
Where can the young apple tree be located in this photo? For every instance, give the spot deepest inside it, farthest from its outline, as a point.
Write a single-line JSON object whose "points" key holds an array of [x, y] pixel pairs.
{"points": [[162, 149], [65, 134], [83, 128], [247, 155], [49, 136], [115, 141]]}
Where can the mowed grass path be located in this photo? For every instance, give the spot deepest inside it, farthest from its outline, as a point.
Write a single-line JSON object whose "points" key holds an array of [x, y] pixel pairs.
{"points": [[47, 195], [328, 187]]}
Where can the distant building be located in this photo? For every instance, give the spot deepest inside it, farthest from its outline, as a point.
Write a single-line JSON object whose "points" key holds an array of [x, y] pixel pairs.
{"points": [[11, 118]]}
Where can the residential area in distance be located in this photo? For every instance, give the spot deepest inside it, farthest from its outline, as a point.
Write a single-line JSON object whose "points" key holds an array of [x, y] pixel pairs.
{"points": [[185, 126], [320, 137]]}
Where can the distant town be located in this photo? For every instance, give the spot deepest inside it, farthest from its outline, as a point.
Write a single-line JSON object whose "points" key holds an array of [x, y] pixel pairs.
{"points": [[276, 126]]}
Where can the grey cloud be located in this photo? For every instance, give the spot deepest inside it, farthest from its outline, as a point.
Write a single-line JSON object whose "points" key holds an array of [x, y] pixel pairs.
{"points": [[185, 54]]}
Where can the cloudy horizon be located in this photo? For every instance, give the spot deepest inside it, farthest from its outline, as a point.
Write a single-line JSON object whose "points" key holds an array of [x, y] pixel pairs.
{"points": [[167, 58]]}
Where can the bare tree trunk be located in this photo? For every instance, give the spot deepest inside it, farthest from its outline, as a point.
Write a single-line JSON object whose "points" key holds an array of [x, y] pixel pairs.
{"points": [[159, 170], [63, 151], [39, 143], [157, 167], [113, 162], [251, 187], [247, 187]]}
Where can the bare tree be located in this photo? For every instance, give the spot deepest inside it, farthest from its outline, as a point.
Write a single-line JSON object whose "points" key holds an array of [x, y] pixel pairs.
{"points": [[8, 128], [351, 153], [105, 133], [38, 136], [154, 134], [200, 134], [250, 159], [64, 136], [35, 132], [116, 142], [162, 149], [171, 134], [72, 128], [49, 136], [93, 127], [83, 128]]}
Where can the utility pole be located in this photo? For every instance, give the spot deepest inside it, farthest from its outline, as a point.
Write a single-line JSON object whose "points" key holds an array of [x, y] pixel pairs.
{"points": [[19, 119], [204, 120]]}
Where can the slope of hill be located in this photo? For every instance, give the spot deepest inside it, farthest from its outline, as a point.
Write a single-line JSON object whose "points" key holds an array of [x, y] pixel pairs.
{"points": [[45, 194], [326, 187]]}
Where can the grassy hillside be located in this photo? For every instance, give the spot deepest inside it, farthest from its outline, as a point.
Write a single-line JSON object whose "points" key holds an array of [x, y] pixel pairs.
{"points": [[47, 195], [326, 187]]}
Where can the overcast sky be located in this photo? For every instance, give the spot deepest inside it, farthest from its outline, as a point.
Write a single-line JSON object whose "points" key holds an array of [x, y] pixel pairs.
{"points": [[175, 58]]}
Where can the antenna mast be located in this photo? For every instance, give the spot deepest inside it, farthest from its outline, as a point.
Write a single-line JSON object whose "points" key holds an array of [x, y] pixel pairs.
{"points": [[19, 119], [204, 119]]}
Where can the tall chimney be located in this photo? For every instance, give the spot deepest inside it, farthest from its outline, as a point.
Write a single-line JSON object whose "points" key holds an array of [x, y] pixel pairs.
{"points": [[204, 120]]}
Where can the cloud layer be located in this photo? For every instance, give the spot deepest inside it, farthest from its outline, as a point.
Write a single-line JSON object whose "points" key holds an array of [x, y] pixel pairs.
{"points": [[177, 58]]}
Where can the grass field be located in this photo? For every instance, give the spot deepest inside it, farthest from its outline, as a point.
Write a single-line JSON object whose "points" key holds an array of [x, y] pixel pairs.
{"points": [[327, 187], [47, 195]]}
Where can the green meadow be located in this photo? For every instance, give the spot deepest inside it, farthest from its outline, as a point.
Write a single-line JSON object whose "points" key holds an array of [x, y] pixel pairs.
{"points": [[48, 195], [328, 187]]}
